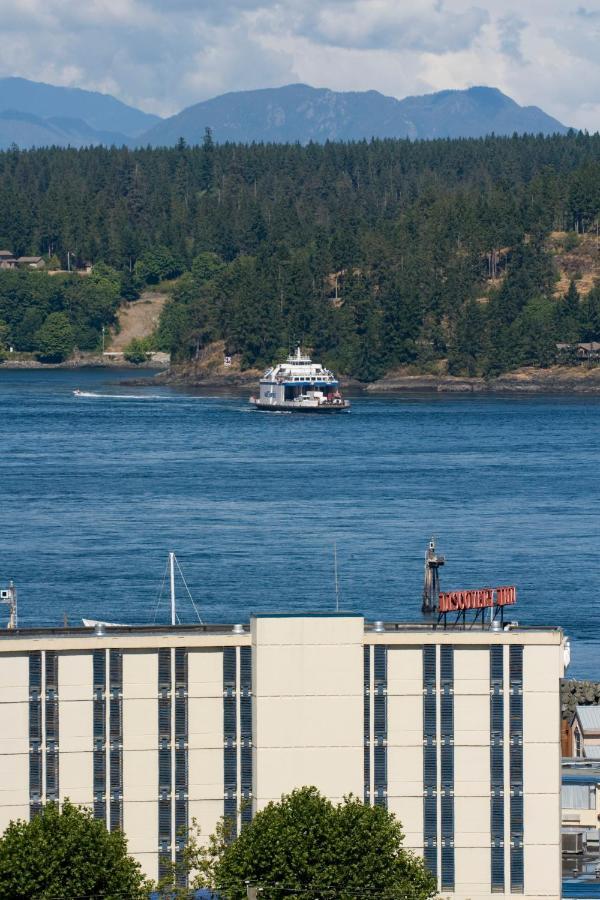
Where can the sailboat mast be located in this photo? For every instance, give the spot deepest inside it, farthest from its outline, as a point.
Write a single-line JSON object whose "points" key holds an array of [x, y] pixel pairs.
{"points": [[172, 578]]}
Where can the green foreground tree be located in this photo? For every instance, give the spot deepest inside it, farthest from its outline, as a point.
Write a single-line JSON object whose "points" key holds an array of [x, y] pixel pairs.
{"points": [[66, 853], [55, 338], [136, 351], [305, 846]]}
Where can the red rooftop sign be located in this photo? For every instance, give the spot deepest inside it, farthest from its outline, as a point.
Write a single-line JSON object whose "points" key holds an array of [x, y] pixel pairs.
{"points": [[454, 601]]}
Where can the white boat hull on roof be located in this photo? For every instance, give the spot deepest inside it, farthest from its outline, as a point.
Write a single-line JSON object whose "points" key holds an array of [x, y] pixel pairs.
{"points": [[299, 385]]}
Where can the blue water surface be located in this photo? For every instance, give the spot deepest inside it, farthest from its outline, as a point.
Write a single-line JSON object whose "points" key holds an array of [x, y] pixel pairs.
{"points": [[95, 490]]}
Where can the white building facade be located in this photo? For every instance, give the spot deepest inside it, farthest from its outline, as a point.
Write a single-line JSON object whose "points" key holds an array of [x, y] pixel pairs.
{"points": [[454, 731]]}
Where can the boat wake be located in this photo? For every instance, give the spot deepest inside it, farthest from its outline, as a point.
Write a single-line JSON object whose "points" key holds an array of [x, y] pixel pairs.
{"points": [[95, 395]]}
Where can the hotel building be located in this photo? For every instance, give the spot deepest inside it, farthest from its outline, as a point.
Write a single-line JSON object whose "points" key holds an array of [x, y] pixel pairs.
{"points": [[454, 730]]}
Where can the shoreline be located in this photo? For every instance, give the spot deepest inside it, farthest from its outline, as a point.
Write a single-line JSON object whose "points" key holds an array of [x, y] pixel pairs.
{"points": [[555, 380], [88, 362], [578, 380]]}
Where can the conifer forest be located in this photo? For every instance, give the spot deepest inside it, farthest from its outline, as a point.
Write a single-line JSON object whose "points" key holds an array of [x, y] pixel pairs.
{"points": [[374, 255]]}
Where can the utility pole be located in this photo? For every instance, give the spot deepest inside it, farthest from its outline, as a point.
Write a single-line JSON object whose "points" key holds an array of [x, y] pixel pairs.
{"points": [[103, 339]]}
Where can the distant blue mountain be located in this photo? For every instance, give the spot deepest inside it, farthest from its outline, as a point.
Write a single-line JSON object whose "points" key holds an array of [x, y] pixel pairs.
{"points": [[100, 112], [301, 113], [33, 114], [27, 130]]}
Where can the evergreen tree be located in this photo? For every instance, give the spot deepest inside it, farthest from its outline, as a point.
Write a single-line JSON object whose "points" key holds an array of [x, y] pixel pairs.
{"points": [[55, 339]]}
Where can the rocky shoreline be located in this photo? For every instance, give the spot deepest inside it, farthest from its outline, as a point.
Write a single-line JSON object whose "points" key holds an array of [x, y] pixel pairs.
{"points": [[91, 361], [558, 379], [554, 380]]}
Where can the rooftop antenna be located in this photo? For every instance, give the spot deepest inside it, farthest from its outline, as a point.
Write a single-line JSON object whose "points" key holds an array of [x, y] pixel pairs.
{"points": [[335, 573], [9, 597], [431, 581]]}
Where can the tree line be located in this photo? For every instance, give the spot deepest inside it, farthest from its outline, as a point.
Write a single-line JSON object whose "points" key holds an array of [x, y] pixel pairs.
{"points": [[374, 253]]}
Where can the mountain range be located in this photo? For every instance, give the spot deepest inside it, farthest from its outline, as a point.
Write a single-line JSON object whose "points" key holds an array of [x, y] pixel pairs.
{"points": [[34, 115]]}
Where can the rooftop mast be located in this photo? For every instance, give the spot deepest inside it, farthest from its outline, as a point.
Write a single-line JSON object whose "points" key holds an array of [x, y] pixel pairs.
{"points": [[431, 581], [9, 597]]}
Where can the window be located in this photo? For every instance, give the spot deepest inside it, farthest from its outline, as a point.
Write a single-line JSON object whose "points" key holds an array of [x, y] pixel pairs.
{"points": [[430, 786], [367, 723], [99, 725], [116, 737], [517, 865], [578, 796], [380, 725], [447, 765], [497, 768]]}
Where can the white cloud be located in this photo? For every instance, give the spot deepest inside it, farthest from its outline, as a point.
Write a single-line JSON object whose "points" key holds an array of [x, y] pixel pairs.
{"points": [[163, 56], [382, 25]]}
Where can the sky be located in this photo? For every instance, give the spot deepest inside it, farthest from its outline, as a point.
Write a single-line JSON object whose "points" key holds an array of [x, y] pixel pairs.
{"points": [[163, 55]]}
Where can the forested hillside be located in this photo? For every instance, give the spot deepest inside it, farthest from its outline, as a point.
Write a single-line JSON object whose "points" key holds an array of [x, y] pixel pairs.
{"points": [[375, 254], [51, 315]]}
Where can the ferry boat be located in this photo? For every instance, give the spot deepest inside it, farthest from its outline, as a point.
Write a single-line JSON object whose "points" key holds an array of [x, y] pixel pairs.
{"points": [[299, 385]]}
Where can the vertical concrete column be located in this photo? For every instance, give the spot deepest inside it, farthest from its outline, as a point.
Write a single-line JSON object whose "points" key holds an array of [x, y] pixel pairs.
{"points": [[14, 738], [140, 758], [309, 693], [75, 705]]}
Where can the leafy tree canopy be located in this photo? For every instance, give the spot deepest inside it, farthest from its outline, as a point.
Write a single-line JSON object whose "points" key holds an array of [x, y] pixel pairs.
{"points": [[156, 264], [55, 339], [136, 351], [304, 845], [66, 853]]}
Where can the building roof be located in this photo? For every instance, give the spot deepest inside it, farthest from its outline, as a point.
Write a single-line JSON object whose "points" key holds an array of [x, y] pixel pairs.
{"points": [[7, 253], [578, 888], [575, 770], [29, 259], [589, 716]]}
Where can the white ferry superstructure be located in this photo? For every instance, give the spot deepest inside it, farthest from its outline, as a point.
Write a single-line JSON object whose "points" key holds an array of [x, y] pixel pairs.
{"points": [[299, 385]]}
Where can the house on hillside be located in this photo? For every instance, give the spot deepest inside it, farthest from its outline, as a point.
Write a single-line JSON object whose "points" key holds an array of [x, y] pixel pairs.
{"points": [[584, 733], [31, 262], [7, 259], [581, 352], [589, 351]]}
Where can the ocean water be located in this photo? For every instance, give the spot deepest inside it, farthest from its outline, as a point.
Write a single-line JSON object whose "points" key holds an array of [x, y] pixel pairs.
{"points": [[95, 490]]}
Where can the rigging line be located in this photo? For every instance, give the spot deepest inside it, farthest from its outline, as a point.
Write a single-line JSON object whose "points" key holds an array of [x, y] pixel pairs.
{"points": [[160, 593], [188, 591]]}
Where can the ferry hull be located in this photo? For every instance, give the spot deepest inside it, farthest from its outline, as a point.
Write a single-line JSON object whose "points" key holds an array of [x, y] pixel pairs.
{"points": [[284, 406]]}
